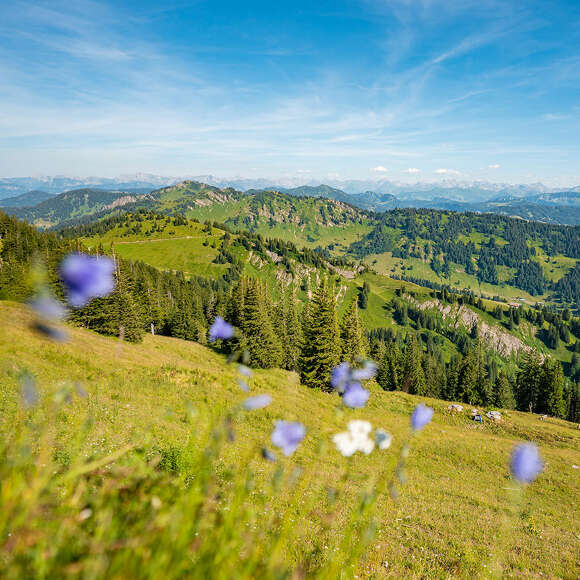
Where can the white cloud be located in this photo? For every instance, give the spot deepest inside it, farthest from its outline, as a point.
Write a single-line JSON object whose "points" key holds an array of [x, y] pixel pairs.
{"points": [[379, 169], [494, 166], [444, 171], [413, 170]]}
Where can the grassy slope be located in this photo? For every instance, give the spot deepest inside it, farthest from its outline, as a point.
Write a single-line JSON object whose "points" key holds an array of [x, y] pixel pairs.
{"points": [[453, 515]]}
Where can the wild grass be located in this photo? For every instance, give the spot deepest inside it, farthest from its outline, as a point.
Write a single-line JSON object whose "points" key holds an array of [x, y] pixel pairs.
{"points": [[138, 479]]}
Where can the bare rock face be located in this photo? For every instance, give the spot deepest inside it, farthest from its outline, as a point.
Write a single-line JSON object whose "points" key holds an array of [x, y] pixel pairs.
{"points": [[494, 337]]}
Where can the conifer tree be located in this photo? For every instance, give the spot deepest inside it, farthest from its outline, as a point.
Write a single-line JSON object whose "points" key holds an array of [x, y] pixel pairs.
{"points": [[413, 377], [351, 335], [319, 353], [292, 331], [262, 343], [503, 394], [388, 372], [551, 396], [528, 383]]}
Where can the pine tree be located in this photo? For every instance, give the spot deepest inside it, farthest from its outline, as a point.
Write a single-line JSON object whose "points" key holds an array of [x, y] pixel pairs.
{"points": [[503, 394], [351, 335], [262, 343], [388, 372], [551, 390], [528, 383], [413, 376], [319, 353], [293, 332]]}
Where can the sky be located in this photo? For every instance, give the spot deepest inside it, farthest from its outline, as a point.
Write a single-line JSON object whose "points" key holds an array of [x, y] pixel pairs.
{"points": [[405, 90]]}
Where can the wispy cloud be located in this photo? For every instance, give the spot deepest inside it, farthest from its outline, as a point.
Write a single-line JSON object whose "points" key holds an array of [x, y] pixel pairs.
{"points": [[380, 169], [412, 170], [444, 171]]}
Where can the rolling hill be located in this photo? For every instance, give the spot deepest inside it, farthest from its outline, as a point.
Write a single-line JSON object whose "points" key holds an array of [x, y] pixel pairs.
{"points": [[28, 199]]}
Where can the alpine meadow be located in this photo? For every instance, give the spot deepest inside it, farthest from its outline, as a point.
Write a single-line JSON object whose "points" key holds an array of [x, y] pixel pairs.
{"points": [[290, 291]]}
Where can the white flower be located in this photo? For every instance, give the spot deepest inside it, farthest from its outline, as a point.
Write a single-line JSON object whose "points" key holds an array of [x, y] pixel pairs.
{"points": [[383, 439], [355, 439], [360, 428], [345, 443]]}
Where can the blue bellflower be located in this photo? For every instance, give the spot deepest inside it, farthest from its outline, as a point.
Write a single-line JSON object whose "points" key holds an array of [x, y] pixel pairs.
{"points": [[340, 376], [526, 463], [355, 396], [421, 416], [287, 435], [87, 277], [257, 402], [220, 329]]}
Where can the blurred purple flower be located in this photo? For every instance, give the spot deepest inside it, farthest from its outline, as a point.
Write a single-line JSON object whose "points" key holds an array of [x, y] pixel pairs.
{"points": [[28, 390], [355, 396], [268, 455], [48, 307], [368, 371], [526, 463], [257, 402], [87, 277], [421, 417], [340, 376], [287, 435], [245, 371], [53, 332], [243, 385], [220, 329]]}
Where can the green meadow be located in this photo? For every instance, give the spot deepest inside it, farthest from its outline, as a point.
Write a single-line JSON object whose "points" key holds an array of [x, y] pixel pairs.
{"points": [[138, 462]]}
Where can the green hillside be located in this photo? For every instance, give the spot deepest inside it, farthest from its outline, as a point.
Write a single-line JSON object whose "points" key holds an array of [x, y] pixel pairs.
{"points": [[198, 249], [115, 481], [490, 255]]}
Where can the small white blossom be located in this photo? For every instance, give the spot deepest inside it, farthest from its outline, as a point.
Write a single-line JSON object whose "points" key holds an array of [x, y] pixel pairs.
{"points": [[355, 439]]}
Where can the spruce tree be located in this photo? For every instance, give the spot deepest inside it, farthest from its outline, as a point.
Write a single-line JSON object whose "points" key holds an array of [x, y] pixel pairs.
{"points": [[528, 383], [262, 343], [503, 394], [388, 371], [351, 335], [551, 399], [413, 376], [319, 353]]}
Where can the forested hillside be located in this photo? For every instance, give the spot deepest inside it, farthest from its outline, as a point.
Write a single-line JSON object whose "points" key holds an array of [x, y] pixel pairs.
{"points": [[296, 308], [492, 249]]}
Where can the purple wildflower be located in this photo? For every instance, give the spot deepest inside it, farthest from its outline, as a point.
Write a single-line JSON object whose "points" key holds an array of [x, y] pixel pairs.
{"points": [[220, 329], [288, 435], [28, 390], [53, 332], [268, 455], [48, 308], [355, 396], [87, 277], [243, 385], [526, 462], [340, 376], [245, 371], [421, 417], [368, 371], [257, 402]]}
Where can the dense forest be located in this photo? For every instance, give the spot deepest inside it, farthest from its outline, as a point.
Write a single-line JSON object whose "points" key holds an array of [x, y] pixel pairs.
{"points": [[444, 237], [308, 338]]}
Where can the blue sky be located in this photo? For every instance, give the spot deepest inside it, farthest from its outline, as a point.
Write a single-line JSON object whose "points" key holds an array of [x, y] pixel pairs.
{"points": [[410, 90]]}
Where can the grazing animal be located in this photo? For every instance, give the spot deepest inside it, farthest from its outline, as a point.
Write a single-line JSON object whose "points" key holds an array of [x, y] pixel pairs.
{"points": [[543, 417]]}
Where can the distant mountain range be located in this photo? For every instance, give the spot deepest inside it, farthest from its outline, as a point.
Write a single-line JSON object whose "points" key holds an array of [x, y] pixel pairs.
{"points": [[524, 201]]}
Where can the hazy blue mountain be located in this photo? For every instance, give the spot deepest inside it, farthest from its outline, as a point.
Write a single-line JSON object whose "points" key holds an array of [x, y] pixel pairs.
{"points": [[26, 199], [73, 204]]}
